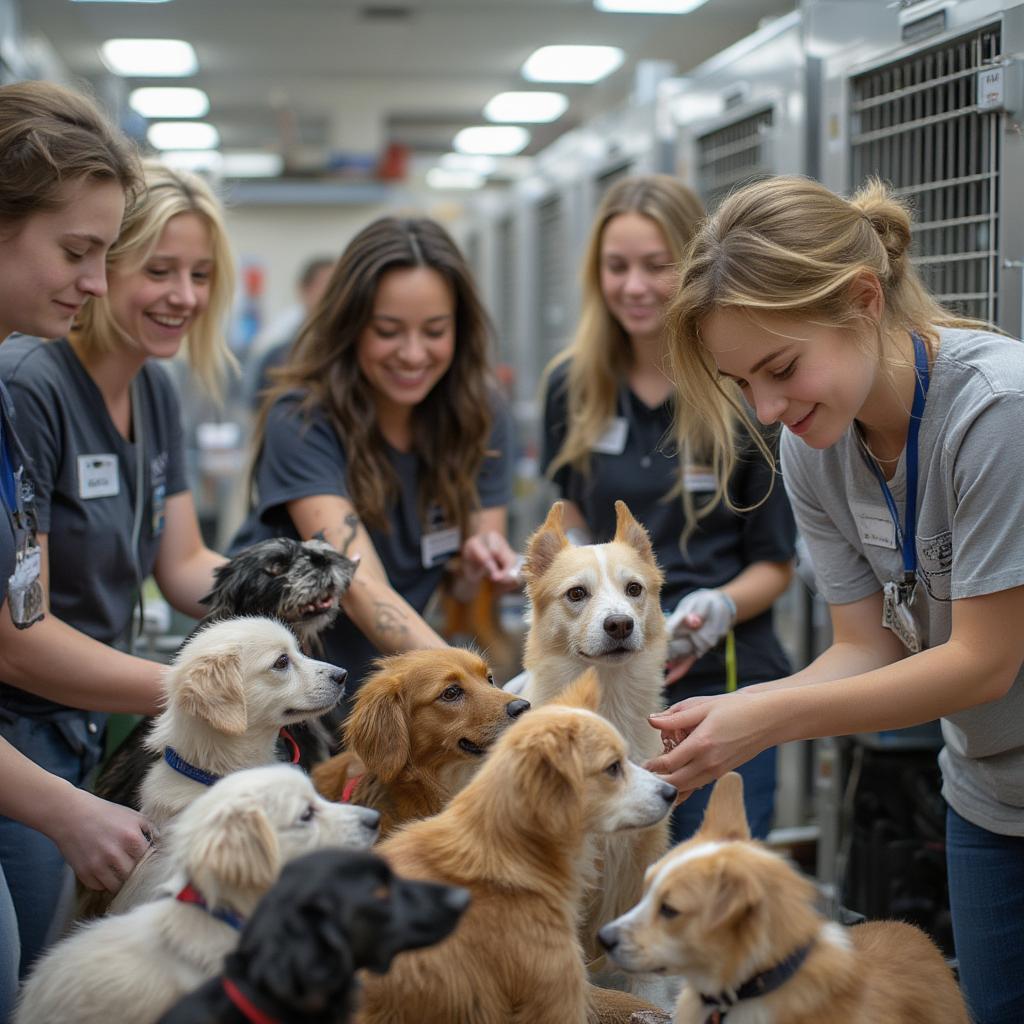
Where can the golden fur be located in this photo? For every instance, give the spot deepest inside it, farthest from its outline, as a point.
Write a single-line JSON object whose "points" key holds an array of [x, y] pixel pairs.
{"points": [[568, 635], [516, 838], [721, 908], [410, 726]]}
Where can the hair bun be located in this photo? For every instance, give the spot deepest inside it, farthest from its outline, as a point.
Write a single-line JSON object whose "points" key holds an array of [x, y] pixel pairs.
{"points": [[889, 217]]}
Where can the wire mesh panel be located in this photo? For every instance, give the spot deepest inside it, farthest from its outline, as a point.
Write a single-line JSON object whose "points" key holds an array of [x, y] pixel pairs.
{"points": [[915, 124], [552, 281], [733, 155]]}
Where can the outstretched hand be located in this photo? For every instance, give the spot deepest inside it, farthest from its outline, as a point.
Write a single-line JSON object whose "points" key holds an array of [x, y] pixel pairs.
{"points": [[489, 554]]}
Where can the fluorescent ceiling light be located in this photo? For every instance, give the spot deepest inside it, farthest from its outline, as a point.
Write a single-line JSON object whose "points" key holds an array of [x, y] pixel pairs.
{"points": [[476, 162], [529, 107], [192, 159], [252, 165], [149, 58], [492, 140], [183, 135], [583, 64], [648, 6], [446, 178], [158, 101]]}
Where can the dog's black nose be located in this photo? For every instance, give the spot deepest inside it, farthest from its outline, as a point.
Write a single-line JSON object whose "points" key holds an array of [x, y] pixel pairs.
{"points": [[608, 936], [516, 708], [338, 676], [668, 793], [618, 626]]}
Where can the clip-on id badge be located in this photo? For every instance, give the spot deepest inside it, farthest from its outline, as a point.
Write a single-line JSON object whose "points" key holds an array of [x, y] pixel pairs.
{"points": [[24, 591], [897, 616]]}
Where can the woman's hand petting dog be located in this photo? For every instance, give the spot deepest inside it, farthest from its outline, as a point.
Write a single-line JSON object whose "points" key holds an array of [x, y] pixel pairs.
{"points": [[101, 841]]}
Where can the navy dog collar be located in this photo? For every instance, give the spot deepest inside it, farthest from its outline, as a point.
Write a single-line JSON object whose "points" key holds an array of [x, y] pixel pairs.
{"points": [[190, 894], [759, 985], [190, 771]]}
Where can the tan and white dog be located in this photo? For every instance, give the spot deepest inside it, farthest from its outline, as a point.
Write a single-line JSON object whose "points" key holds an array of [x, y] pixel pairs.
{"points": [[740, 924], [598, 606]]}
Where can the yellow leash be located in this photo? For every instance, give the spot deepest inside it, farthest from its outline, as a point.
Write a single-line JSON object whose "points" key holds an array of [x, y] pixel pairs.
{"points": [[731, 681]]}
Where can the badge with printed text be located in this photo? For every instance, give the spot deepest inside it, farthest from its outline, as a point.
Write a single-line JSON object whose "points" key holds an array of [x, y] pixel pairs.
{"points": [[897, 616], [24, 591], [98, 476], [874, 524], [699, 479], [439, 545], [613, 439]]}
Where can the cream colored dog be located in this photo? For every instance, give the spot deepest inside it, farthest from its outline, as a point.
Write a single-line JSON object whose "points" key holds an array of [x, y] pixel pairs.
{"points": [[225, 850], [740, 924], [232, 688], [598, 606]]}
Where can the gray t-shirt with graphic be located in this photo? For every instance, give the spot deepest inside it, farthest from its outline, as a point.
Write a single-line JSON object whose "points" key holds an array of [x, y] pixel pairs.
{"points": [[969, 542]]}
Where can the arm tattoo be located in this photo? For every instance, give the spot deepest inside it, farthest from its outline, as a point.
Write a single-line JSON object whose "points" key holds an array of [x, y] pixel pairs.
{"points": [[352, 522], [389, 623]]}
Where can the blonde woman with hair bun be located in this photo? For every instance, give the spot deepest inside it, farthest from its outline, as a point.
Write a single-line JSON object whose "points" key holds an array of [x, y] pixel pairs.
{"points": [[903, 455], [608, 412], [101, 427]]}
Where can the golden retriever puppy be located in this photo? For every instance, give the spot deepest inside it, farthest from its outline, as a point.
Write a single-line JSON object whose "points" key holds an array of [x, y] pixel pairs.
{"points": [[420, 725], [516, 837], [599, 605], [740, 924], [232, 688], [226, 850]]}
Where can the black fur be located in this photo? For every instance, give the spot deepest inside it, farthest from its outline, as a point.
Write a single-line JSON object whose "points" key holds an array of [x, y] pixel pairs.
{"points": [[298, 582], [331, 913]]}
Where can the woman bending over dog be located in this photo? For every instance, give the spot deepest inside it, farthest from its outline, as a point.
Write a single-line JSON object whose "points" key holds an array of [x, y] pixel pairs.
{"points": [[903, 457], [384, 432], [723, 571], [101, 427]]}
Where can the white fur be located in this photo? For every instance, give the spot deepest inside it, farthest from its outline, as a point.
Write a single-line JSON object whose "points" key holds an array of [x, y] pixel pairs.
{"points": [[269, 698], [134, 966]]}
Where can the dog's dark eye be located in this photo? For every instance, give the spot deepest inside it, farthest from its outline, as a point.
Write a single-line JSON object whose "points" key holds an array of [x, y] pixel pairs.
{"points": [[576, 593], [490, 679], [614, 769], [282, 663], [634, 589], [667, 912], [451, 693], [308, 814], [274, 568]]}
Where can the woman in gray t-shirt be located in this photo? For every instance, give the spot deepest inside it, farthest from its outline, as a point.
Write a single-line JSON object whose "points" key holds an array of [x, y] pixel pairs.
{"points": [[903, 458]]}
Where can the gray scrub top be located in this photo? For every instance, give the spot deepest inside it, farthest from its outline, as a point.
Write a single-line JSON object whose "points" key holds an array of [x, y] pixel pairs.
{"points": [[642, 472], [303, 456], [84, 473]]}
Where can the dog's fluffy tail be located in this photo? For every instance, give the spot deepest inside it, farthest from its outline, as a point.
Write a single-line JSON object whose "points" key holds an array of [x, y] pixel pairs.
{"points": [[331, 775]]}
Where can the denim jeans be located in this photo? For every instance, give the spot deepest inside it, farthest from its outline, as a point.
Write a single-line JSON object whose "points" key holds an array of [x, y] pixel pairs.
{"points": [[986, 896], [758, 798], [36, 873], [10, 952]]}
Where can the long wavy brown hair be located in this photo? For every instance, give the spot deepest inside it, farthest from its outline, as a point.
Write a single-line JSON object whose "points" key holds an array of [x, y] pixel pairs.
{"points": [[450, 427]]}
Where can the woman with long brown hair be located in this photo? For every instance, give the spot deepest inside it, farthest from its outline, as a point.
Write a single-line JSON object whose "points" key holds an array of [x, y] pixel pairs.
{"points": [[384, 433]]}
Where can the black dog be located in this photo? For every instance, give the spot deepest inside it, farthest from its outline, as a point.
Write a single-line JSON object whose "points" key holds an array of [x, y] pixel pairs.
{"points": [[297, 582], [331, 913]]}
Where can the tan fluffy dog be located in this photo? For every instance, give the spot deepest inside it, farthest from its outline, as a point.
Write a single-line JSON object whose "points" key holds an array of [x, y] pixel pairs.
{"points": [[598, 606], [516, 837], [721, 910], [420, 725]]}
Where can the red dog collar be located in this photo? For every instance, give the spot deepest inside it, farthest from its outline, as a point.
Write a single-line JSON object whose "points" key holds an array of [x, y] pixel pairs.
{"points": [[290, 740], [248, 1009], [350, 788]]}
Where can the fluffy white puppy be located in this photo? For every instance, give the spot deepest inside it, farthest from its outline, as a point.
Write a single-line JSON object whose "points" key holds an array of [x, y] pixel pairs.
{"points": [[226, 850]]}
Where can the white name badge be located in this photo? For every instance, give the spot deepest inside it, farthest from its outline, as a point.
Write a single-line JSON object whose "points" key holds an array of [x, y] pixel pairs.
{"points": [[439, 545], [699, 479], [98, 476], [613, 440], [874, 524]]}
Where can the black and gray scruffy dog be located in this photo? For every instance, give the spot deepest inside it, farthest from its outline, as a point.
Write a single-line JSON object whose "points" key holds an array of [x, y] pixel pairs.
{"points": [[331, 913], [298, 582]]}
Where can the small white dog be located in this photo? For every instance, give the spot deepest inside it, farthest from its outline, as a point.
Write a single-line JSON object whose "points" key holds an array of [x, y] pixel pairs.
{"points": [[233, 686], [226, 850]]}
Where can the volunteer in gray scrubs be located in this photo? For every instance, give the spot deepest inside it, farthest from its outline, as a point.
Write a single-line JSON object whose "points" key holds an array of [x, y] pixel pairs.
{"points": [[55, 229], [101, 425], [384, 432], [723, 570], [903, 456]]}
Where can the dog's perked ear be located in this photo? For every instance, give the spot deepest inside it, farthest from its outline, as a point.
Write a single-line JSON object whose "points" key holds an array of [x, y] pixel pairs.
{"points": [[725, 816], [376, 729], [629, 531], [584, 692], [212, 688], [544, 544], [240, 851]]}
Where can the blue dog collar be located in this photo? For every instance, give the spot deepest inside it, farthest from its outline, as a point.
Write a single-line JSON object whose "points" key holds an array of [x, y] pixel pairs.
{"points": [[190, 771]]}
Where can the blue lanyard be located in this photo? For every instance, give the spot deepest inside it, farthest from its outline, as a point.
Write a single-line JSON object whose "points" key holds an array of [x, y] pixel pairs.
{"points": [[7, 477], [908, 534]]}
